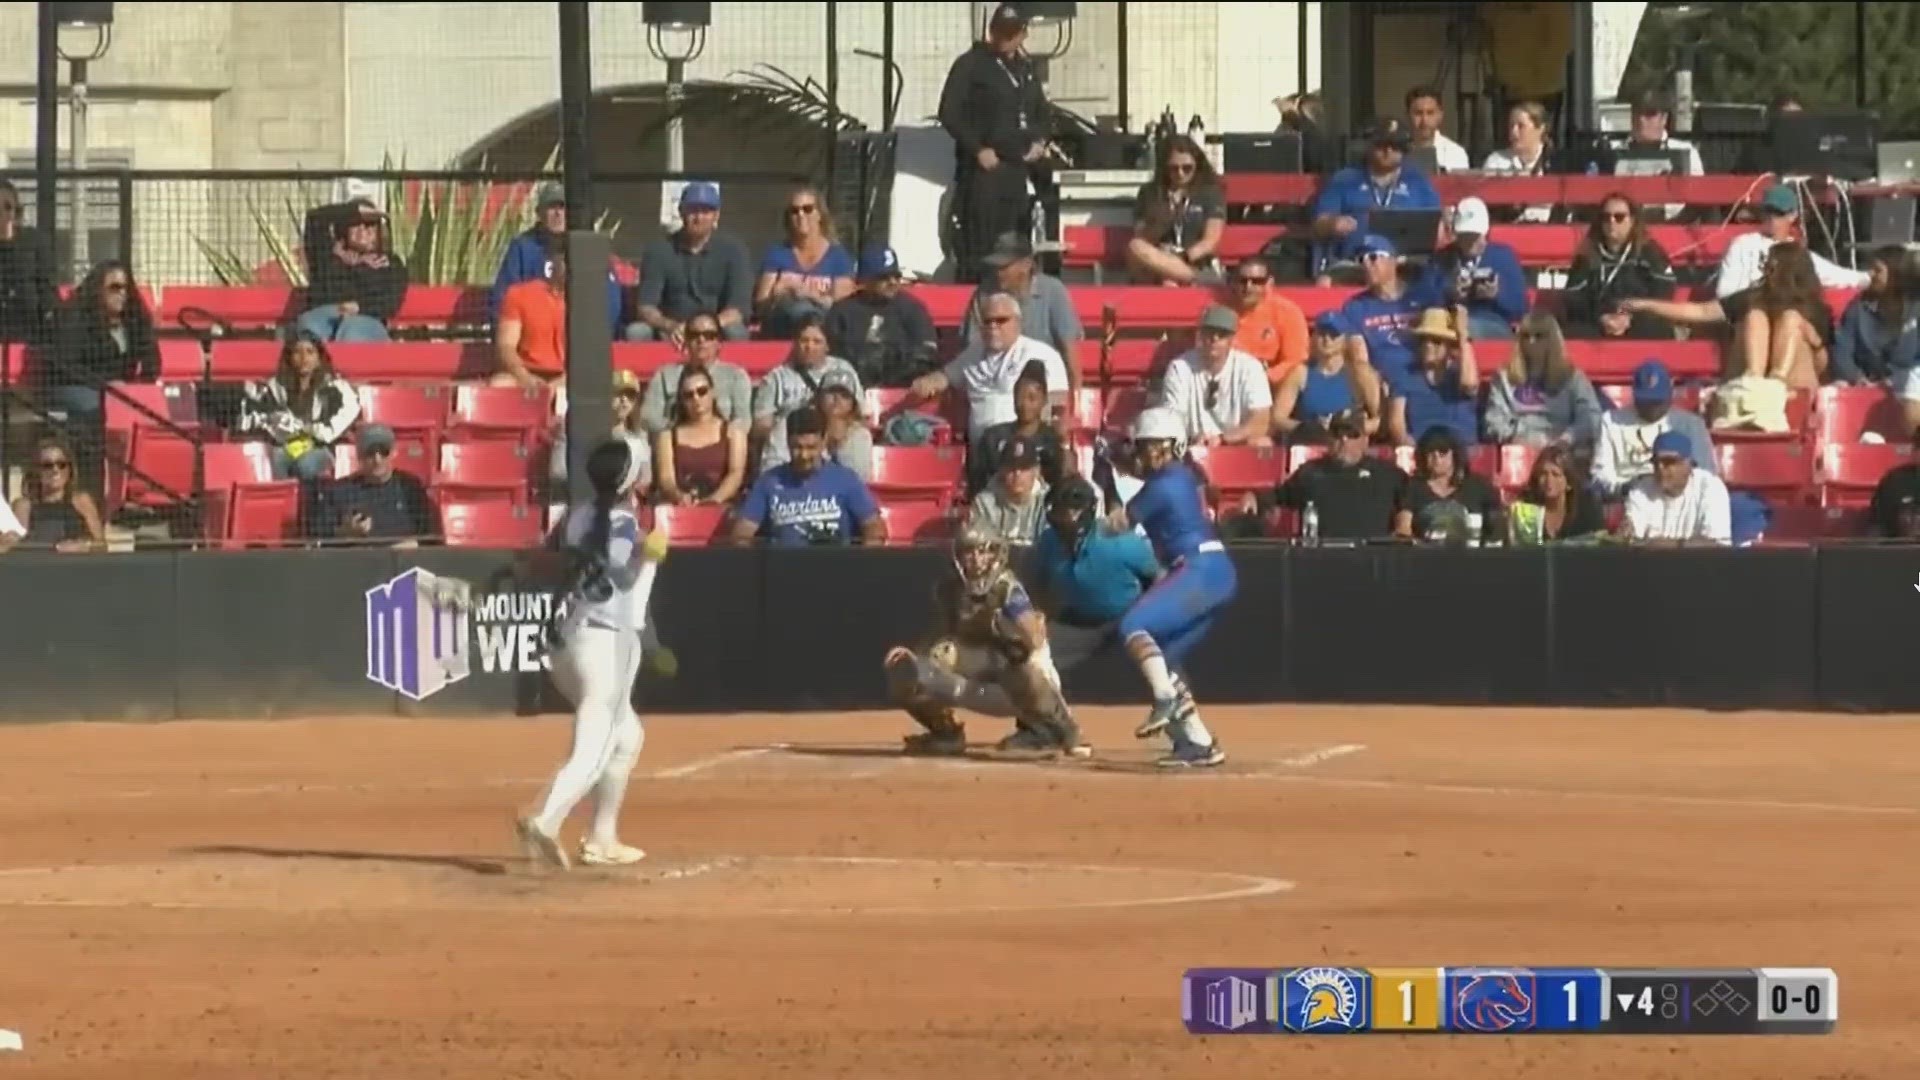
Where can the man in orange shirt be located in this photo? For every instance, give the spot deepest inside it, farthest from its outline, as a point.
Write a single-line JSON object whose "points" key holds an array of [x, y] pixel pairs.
{"points": [[1273, 329], [531, 335]]}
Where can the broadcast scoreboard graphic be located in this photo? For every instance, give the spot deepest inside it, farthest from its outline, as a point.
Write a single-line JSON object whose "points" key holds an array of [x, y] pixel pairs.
{"points": [[1510, 1001]]}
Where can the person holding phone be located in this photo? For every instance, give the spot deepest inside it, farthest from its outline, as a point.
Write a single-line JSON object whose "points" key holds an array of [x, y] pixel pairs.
{"points": [[378, 503]]}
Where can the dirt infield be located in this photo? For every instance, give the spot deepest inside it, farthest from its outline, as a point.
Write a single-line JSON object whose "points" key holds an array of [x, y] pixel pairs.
{"points": [[342, 898]]}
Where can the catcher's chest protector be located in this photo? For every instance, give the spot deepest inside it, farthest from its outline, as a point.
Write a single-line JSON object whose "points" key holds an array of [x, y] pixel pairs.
{"points": [[970, 617]]}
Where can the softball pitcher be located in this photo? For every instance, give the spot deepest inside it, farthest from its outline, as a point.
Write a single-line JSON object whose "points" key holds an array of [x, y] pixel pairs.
{"points": [[596, 643], [988, 655]]}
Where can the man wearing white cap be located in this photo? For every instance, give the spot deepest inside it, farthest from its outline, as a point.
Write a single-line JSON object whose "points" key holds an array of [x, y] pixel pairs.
{"points": [[1482, 274]]}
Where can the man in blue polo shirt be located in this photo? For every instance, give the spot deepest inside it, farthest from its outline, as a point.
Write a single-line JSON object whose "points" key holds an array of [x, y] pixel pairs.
{"points": [[1086, 575], [1382, 182], [1380, 319]]}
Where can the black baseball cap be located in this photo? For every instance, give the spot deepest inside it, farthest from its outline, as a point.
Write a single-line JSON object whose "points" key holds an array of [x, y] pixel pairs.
{"points": [[1386, 131], [1009, 16], [1019, 453]]}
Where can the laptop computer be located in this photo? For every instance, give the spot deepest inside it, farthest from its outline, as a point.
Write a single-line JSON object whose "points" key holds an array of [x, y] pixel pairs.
{"points": [[1268, 152], [1844, 146], [1899, 162], [1413, 232], [1425, 158], [1650, 161]]}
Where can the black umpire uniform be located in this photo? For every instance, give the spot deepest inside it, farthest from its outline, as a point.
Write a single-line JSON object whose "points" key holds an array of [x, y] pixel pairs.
{"points": [[993, 100]]}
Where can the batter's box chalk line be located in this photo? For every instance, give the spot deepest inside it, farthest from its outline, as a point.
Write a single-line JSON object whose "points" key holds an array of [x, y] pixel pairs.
{"points": [[10, 1040]]}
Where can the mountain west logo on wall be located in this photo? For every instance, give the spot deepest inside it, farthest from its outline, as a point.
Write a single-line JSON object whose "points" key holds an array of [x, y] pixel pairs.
{"points": [[423, 628]]}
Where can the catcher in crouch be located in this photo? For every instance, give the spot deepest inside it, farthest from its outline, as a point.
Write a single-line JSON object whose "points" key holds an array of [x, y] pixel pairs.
{"points": [[988, 655]]}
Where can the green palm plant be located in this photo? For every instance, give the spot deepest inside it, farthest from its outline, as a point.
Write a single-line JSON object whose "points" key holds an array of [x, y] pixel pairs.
{"points": [[450, 232]]}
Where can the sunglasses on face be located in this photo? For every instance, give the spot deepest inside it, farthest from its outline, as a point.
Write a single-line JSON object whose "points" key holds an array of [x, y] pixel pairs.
{"points": [[694, 392], [1181, 168], [997, 320], [1619, 215], [1249, 281], [802, 209], [55, 464], [703, 335], [372, 452]]}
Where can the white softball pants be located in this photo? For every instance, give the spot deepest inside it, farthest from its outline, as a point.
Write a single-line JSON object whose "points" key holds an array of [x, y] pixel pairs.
{"points": [[596, 671]]}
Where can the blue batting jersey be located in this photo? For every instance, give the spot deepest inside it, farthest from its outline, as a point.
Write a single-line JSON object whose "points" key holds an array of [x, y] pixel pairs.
{"points": [[1171, 509], [1096, 581]]}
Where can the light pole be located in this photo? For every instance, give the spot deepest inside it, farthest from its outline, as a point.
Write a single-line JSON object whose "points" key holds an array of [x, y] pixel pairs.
{"points": [[676, 34], [82, 17]]}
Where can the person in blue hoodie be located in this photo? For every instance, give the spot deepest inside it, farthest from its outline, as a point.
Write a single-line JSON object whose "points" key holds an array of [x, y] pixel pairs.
{"points": [[1879, 336], [1481, 274], [526, 258], [1382, 182]]}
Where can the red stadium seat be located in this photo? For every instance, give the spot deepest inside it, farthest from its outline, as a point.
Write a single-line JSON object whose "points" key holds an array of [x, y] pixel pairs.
{"points": [[1850, 471], [947, 304], [263, 512], [917, 521], [242, 307], [243, 361], [13, 359], [924, 471], [1235, 470], [1534, 245], [126, 406], [1298, 455], [443, 305], [183, 360], [1131, 360], [1509, 467], [489, 523], [1804, 523], [497, 412], [406, 406], [228, 464], [469, 468], [1609, 362], [410, 361], [159, 467], [1841, 414], [1781, 472], [1261, 189], [690, 526]]}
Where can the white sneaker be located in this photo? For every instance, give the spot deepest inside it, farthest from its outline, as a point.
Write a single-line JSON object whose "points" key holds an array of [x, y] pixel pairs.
{"points": [[539, 846], [613, 854]]}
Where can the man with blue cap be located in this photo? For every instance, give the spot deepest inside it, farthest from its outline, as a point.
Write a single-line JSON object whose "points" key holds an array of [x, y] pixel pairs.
{"points": [[1380, 319], [884, 331], [1623, 451], [696, 271], [1677, 503]]}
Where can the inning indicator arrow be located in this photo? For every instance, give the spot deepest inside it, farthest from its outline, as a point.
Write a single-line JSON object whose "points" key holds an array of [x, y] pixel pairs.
{"points": [[1625, 1000]]}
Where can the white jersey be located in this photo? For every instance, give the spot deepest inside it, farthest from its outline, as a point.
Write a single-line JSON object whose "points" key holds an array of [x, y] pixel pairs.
{"points": [[608, 602]]}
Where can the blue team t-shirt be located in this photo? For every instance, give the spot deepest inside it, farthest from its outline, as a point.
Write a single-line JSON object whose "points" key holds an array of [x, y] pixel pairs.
{"points": [[1387, 326], [1100, 581], [1352, 193], [1440, 404], [836, 263], [825, 506], [1171, 508]]}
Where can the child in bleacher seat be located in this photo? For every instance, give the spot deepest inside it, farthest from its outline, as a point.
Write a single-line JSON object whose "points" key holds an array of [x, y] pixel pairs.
{"points": [[303, 410], [1029, 424]]}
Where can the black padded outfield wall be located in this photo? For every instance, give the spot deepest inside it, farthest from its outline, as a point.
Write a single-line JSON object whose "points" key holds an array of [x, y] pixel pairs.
{"points": [[152, 636]]}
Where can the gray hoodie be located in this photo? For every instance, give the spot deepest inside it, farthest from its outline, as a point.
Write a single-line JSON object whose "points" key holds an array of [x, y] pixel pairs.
{"points": [[1531, 416]]}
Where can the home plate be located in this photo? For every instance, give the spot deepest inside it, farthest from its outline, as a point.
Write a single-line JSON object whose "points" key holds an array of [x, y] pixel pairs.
{"points": [[1139, 762]]}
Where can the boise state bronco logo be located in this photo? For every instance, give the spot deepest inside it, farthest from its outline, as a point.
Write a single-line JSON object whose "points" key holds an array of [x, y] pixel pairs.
{"points": [[1493, 1002], [1324, 1000]]}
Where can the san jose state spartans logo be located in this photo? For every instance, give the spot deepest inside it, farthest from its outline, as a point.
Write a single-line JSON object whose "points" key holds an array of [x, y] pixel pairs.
{"points": [[1324, 999]]}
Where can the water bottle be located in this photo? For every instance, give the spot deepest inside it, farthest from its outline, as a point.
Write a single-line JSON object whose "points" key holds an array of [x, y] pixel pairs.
{"points": [[1310, 525], [1475, 523]]}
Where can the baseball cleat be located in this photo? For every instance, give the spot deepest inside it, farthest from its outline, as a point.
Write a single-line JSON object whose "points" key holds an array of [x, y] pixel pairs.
{"points": [[1165, 712], [937, 744], [609, 854], [1026, 740], [539, 846], [1192, 756]]}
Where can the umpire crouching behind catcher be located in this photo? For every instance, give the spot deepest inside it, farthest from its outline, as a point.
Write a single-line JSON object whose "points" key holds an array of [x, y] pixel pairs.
{"points": [[1087, 574]]}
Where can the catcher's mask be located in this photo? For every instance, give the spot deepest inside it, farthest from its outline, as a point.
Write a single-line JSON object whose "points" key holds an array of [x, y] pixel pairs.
{"points": [[1071, 508], [979, 553]]}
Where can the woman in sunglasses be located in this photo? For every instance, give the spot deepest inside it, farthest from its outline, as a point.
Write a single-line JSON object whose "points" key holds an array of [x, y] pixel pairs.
{"points": [[1178, 219], [702, 458], [1618, 261], [804, 273], [53, 512]]}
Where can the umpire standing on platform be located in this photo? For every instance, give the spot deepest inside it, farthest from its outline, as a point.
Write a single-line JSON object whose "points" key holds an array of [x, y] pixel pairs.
{"points": [[996, 111]]}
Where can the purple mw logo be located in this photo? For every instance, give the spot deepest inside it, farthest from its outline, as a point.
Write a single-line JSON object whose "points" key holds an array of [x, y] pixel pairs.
{"points": [[419, 633]]}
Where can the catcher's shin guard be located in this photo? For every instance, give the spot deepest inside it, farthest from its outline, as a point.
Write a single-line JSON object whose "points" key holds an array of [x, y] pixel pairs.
{"points": [[1039, 706], [913, 684]]}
